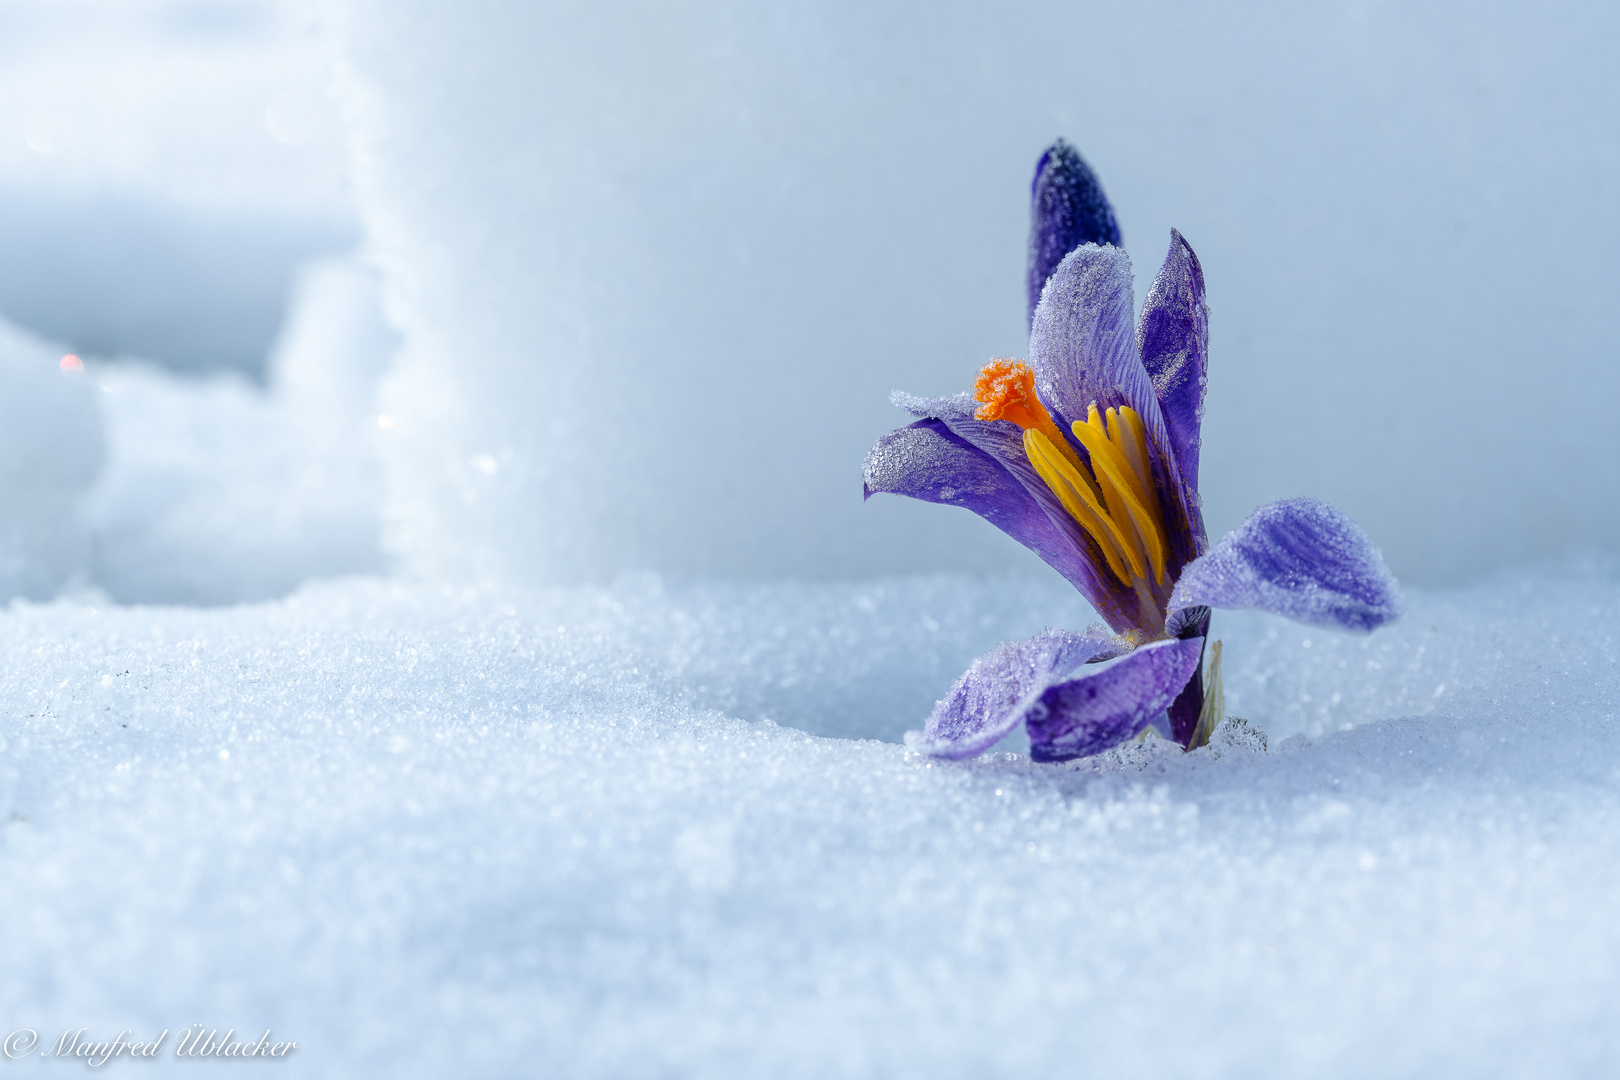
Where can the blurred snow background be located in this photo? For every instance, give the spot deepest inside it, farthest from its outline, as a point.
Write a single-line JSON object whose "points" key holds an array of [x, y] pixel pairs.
{"points": [[177, 217], [663, 264], [166, 165], [566, 326], [657, 269]]}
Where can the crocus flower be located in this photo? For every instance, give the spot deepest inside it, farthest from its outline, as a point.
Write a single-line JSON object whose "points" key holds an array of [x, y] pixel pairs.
{"points": [[1088, 455]]}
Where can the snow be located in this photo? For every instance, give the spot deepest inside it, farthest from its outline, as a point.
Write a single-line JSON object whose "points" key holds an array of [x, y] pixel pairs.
{"points": [[530, 702], [216, 491], [127, 478], [421, 832], [166, 165], [51, 449], [740, 226]]}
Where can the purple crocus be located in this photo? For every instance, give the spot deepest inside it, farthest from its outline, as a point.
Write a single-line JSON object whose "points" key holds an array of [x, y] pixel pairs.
{"points": [[1088, 455]]}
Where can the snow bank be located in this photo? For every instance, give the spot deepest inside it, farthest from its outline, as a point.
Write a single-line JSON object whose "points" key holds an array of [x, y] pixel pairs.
{"points": [[216, 491], [50, 452], [422, 833], [159, 488], [166, 165], [662, 267], [194, 289]]}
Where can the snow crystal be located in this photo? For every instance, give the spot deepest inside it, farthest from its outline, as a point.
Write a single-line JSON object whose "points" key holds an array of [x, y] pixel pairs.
{"points": [[1235, 734]]}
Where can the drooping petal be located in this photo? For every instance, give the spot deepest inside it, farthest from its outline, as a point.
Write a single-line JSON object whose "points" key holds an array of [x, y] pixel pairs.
{"points": [[1295, 557], [1076, 556], [1067, 208], [928, 461], [1103, 707], [1173, 334], [1083, 349], [994, 693]]}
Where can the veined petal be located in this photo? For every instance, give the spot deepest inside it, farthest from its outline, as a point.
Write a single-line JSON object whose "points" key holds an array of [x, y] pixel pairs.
{"points": [[1295, 557], [1067, 208], [1082, 343], [925, 461], [1103, 707], [1173, 336], [1082, 346], [993, 695]]}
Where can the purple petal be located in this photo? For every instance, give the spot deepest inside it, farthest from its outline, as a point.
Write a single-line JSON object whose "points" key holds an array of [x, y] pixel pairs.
{"points": [[1083, 349], [928, 461], [993, 695], [1295, 557], [1065, 546], [1185, 710], [1174, 337], [1104, 707], [1067, 208], [1082, 343]]}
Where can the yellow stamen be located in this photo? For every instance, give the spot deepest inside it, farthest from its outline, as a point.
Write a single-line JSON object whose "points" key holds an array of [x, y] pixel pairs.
{"points": [[1133, 440], [1113, 498], [1129, 500], [1075, 493]]}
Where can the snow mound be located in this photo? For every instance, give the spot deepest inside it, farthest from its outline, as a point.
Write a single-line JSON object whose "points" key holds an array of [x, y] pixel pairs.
{"points": [[167, 166], [153, 487]]}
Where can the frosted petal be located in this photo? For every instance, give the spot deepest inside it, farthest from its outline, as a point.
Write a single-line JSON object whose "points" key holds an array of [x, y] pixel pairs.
{"points": [[1082, 346], [993, 695], [956, 407], [1102, 708], [1173, 334], [1067, 208], [1064, 546], [1082, 341], [1295, 557]]}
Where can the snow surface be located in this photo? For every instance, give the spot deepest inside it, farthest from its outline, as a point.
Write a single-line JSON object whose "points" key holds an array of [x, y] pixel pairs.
{"points": [[573, 833]]}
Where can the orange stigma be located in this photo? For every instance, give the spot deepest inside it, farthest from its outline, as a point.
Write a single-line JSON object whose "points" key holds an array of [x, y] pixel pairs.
{"points": [[1005, 390]]}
